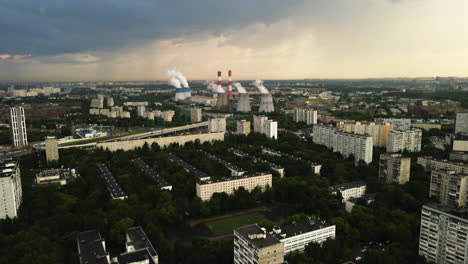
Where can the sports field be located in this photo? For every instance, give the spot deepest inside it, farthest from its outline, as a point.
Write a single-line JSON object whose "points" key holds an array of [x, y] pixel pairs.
{"points": [[227, 225]]}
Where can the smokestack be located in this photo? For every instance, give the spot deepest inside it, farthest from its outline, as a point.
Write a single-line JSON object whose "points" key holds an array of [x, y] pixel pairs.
{"points": [[230, 83], [220, 83]]}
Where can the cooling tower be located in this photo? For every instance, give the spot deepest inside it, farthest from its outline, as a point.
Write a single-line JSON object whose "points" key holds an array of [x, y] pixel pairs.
{"points": [[222, 103], [187, 93], [266, 103], [180, 94], [243, 103]]}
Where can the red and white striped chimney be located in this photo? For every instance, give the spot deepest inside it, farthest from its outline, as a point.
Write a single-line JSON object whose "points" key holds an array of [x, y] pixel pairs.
{"points": [[230, 83], [220, 84]]}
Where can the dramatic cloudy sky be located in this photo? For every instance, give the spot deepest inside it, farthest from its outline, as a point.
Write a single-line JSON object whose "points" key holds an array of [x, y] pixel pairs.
{"points": [[267, 39]]}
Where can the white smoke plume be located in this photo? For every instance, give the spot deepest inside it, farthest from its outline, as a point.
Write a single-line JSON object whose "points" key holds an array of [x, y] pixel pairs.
{"points": [[261, 88], [239, 88], [177, 79], [212, 86]]}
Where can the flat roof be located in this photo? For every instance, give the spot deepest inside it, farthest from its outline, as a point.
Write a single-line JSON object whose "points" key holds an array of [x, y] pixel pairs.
{"points": [[458, 212], [152, 173], [297, 228], [90, 248], [245, 231], [136, 256], [138, 239], [111, 183], [233, 178], [187, 166], [348, 185]]}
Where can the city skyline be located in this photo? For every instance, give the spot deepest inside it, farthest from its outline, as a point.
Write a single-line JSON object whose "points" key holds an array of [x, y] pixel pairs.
{"points": [[276, 39]]}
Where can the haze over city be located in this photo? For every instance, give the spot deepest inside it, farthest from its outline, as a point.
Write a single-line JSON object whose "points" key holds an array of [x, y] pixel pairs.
{"points": [[267, 39]]}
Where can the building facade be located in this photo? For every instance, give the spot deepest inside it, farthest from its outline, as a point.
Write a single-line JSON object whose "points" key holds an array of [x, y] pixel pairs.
{"points": [[296, 236], [461, 124], [309, 116], [394, 168], [264, 126], [243, 127], [378, 131], [409, 140], [196, 115], [18, 126], [51, 149], [428, 163], [206, 189], [253, 245], [347, 144], [444, 234], [449, 187], [400, 124], [11, 194], [217, 125], [350, 190]]}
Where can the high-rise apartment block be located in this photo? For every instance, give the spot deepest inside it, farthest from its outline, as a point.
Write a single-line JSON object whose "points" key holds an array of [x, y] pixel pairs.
{"points": [[461, 125], [11, 194], [449, 187], [444, 234], [51, 149], [394, 168], [400, 124], [378, 131], [18, 126], [141, 110], [267, 127], [195, 115], [409, 140], [309, 116], [217, 125], [360, 146], [252, 244], [243, 127]]}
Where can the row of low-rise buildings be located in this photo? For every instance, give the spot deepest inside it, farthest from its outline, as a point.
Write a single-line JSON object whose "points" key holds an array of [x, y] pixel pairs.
{"points": [[253, 244], [347, 144]]}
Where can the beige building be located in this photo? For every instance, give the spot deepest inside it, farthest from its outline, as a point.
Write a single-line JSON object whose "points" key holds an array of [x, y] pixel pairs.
{"points": [[409, 140], [378, 131], [426, 126], [51, 149], [253, 244], [428, 163], [195, 115], [206, 189], [449, 187], [243, 127], [394, 168]]}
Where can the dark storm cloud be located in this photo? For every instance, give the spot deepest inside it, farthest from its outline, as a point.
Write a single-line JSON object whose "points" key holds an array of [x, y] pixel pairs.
{"points": [[48, 27]]}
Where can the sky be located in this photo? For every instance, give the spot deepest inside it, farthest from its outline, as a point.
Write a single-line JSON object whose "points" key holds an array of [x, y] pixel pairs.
{"points": [[87, 40]]}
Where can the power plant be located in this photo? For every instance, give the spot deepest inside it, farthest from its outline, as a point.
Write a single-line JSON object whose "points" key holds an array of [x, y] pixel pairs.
{"points": [[178, 80], [222, 102], [266, 99], [243, 102]]}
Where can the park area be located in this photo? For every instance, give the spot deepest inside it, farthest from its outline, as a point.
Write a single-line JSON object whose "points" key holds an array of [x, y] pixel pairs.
{"points": [[226, 225]]}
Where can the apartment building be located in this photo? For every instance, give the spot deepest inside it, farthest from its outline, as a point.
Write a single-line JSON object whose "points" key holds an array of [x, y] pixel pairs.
{"points": [[243, 127], [217, 125], [195, 115], [309, 116], [51, 149], [296, 236], [205, 189], [138, 247], [360, 146], [253, 245], [60, 176], [400, 124], [394, 168], [378, 131], [350, 190], [267, 127], [444, 234], [18, 126], [461, 124], [92, 248], [428, 163], [11, 194], [449, 187], [409, 140]]}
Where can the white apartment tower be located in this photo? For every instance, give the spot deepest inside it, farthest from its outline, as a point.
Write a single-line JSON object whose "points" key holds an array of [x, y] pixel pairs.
{"points": [[461, 124], [18, 126], [409, 140], [11, 194], [309, 116], [444, 234], [267, 127]]}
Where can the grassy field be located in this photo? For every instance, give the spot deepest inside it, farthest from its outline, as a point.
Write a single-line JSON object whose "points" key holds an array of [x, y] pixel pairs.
{"points": [[227, 225]]}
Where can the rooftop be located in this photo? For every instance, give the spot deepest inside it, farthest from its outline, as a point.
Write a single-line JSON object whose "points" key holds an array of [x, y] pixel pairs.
{"points": [[7, 167], [111, 183], [201, 175], [91, 248], [458, 212], [298, 228], [137, 256], [232, 178], [152, 173], [137, 238], [257, 236], [348, 185]]}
